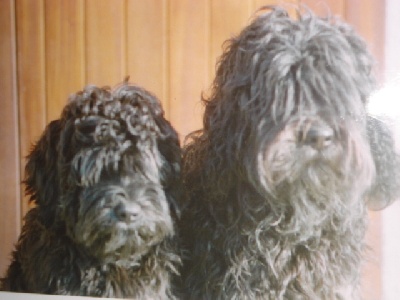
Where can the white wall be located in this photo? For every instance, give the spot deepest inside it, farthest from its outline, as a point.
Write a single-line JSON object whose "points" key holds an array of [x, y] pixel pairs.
{"points": [[391, 215]]}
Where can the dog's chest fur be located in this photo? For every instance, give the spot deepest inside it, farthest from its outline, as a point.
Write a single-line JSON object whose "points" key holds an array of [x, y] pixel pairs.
{"points": [[261, 263]]}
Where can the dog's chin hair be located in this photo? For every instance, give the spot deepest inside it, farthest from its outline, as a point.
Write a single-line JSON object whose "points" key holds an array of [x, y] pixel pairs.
{"points": [[122, 241], [315, 209]]}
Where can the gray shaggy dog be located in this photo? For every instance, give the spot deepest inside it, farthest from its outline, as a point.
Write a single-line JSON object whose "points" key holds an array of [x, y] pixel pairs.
{"points": [[281, 175], [106, 182]]}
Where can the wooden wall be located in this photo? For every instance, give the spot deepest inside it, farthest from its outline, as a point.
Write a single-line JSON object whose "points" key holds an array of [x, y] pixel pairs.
{"points": [[51, 48], [10, 199]]}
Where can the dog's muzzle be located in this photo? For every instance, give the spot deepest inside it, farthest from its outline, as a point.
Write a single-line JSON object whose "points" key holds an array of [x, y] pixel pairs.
{"points": [[318, 136], [127, 212]]}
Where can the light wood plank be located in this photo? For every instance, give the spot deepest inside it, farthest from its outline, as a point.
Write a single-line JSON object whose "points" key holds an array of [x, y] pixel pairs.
{"points": [[228, 17], [371, 285], [147, 46], [105, 38], [189, 57], [64, 52], [9, 153], [31, 76], [325, 8], [290, 5], [368, 18]]}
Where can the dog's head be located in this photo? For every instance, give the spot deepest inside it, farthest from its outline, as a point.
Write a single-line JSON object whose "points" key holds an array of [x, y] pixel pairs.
{"points": [[289, 103], [109, 170]]}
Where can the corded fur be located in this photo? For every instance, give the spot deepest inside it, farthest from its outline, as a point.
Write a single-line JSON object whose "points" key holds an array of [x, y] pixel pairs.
{"points": [[106, 182], [269, 216]]}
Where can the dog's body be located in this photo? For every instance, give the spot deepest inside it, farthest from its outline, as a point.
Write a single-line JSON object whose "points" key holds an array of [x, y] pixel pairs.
{"points": [[280, 177], [105, 179]]}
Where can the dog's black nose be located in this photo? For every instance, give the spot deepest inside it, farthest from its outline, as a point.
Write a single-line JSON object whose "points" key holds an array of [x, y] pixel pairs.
{"points": [[318, 137], [127, 212]]}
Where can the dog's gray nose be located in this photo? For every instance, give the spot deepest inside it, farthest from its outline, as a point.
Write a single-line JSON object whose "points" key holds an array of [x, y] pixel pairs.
{"points": [[318, 137], [127, 212]]}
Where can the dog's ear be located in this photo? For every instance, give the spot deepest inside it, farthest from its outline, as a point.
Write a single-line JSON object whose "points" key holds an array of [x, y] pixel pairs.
{"points": [[171, 179], [41, 176], [386, 187]]}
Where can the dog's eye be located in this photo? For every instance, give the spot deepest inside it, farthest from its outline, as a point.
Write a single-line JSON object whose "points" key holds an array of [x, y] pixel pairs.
{"points": [[87, 125], [107, 130], [318, 137], [152, 192], [114, 199], [120, 196]]}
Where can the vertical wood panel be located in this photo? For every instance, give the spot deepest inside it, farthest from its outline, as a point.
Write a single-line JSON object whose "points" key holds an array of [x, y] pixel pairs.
{"points": [[256, 4], [368, 18], [325, 8], [64, 52], [9, 152], [371, 285], [31, 75], [105, 41], [228, 17], [188, 21], [147, 46], [290, 5]]}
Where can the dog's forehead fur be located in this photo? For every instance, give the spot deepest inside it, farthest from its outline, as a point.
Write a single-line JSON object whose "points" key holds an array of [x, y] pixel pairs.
{"points": [[278, 65], [133, 107], [110, 130]]}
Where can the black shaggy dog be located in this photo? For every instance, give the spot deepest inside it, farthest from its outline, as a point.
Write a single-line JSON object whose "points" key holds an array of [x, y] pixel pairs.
{"points": [[105, 179], [288, 160]]}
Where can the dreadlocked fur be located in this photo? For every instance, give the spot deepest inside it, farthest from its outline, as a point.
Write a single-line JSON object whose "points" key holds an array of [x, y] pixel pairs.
{"points": [[280, 175], [105, 179]]}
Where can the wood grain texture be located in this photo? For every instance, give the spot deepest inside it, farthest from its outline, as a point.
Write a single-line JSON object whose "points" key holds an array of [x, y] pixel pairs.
{"points": [[371, 284], [228, 17], [64, 44], [105, 42], [324, 8], [9, 152], [290, 5], [147, 46], [368, 18], [31, 76], [188, 66]]}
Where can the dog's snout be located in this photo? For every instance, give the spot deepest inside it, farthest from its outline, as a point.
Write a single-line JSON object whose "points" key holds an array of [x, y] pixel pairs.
{"points": [[127, 212], [318, 137]]}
